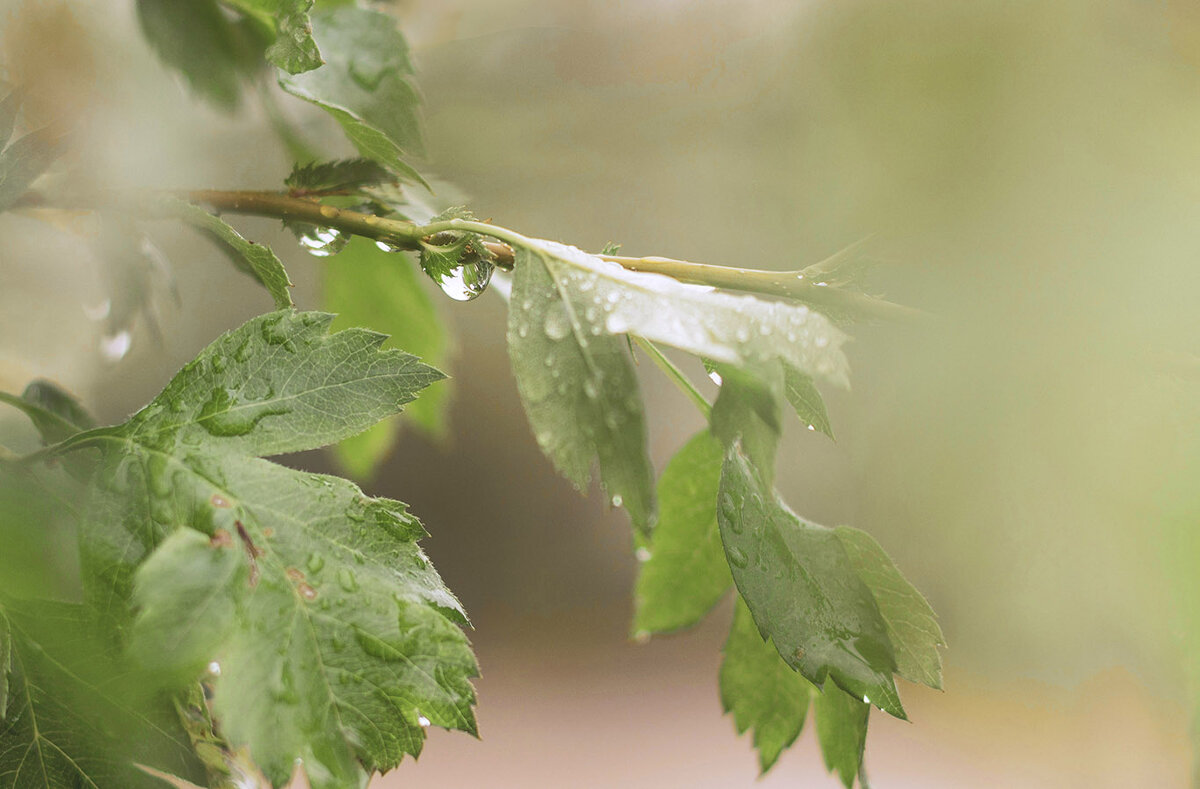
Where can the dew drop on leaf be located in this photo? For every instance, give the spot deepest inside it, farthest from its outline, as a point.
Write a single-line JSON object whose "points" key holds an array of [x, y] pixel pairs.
{"points": [[423, 721], [738, 557], [617, 501], [464, 282], [557, 325], [715, 377], [347, 579], [642, 554]]}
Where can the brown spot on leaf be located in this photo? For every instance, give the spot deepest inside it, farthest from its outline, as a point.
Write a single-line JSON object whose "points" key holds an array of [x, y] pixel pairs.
{"points": [[221, 539], [220, 501], [294, 574], [306, 591]]}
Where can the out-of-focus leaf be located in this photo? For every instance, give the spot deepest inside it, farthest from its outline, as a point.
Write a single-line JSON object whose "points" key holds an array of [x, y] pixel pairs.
{"points": [[686, 572], [53, 412], [294, 49], [9, 106], [578, 385], [254, 259], [77, 716], [5, 663], [365, 84], [911, 625], [806, 401], [342, 174], [748, 412], [23, 161], [760, 690], [802, 589], [196, 38], [842, 730], [377, 290]]}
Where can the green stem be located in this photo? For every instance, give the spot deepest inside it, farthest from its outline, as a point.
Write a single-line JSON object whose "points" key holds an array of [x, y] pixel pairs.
{"points": [[674, 373]]}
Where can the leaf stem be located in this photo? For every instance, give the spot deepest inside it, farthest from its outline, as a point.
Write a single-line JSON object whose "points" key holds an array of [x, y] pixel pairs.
{"points": [[674, 373]]}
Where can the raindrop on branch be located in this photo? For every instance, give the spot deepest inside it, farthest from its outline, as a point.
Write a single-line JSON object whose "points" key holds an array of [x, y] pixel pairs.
{"points": [[322, 241]]}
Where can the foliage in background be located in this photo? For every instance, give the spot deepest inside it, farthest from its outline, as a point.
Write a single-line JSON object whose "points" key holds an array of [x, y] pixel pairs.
{"points": [[228, 617]]}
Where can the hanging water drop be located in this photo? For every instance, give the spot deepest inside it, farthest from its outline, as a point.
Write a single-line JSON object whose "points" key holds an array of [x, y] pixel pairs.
{"points": [[322, 241], [113, 347], [642, 554], [715, 377], [423, 722], [387, 246], [617, 500]]}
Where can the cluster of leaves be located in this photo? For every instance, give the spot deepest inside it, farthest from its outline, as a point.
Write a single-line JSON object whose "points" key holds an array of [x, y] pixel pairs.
{"points": [[230, 616]]}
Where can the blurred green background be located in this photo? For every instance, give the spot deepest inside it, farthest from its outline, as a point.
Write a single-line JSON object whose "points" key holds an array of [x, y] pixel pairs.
{"points": [[1028, 171]]}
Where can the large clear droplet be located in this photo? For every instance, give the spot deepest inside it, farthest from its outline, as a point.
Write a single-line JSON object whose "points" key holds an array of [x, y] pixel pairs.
{"points": [[465, 282], [323, 241], [387, 246]]}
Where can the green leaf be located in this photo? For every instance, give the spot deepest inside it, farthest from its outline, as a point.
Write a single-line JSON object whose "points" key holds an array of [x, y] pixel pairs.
{"points": [[748, 411], [365, 84], [196, 38], [761, 691], [5, 663], [9, 106], [78, 717], [54, 413], [294, 49], [802, 589], [24, 160], [741, 330], [374, 289], [842, 730], [802, 393], [339, 175], [342, 638], [577, 384], [911, 625], [686, 572], [254, 259]]}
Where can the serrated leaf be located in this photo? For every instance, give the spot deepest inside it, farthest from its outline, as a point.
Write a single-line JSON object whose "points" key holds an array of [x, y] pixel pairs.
{"points": [[736, 329], [801, 392], [842, 731], [374, 289], [342, 637], [197, 39], [342, 174], [686, 573], [802, 589], [254, 259], [23, 161], [76, 716], [578, 385], [294, 49], [365, 84], [911, 625], [760, 690]]}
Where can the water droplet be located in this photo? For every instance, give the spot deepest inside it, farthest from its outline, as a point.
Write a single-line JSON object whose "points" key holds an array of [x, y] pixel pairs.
{"points": [[715, 377], [322, 241], [557, 325], [729, 510], [617, 500], [821, 341], [589, 389], [223, 415], [423, 722], [522, 331], [220, 501], [463, 282], [642, 554], [113, 347], [347, 580], [738, 557], [642, 637], [306, 591], [214, 668], [387, 246], [812, 427]]}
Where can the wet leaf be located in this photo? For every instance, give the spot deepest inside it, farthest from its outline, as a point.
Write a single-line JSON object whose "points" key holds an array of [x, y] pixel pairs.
{"points": [[339, 175], [801, 392], [334, 635], [802, 589], [294, 49], [685, 573], [577, 384], [23, 161]]}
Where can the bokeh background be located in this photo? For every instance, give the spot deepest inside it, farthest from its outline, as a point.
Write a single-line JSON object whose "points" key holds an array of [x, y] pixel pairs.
{"points": [[1028, 171]]}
